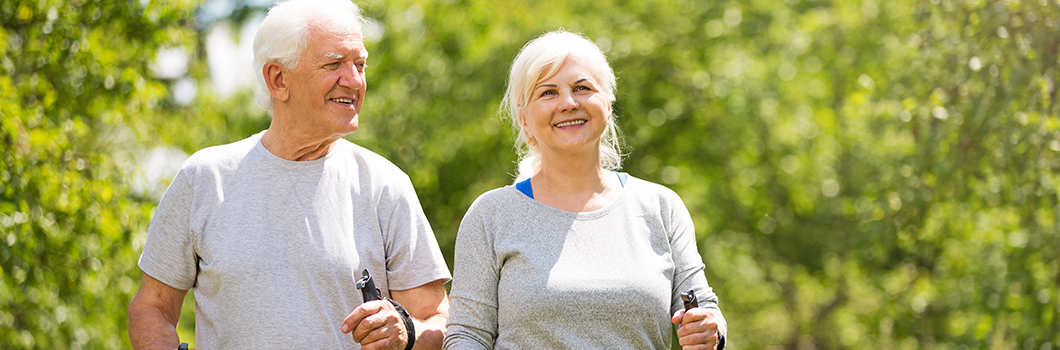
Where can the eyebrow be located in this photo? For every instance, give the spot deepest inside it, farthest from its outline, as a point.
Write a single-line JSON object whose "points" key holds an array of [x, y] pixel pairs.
{"points": [[554, 85], [336, 56], [545, 85]]}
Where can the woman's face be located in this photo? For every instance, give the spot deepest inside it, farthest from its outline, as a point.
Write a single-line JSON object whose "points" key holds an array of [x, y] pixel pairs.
{"points": [[568, 112]]}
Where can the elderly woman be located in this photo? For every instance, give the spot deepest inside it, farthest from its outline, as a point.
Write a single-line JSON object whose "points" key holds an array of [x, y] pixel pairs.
{"points": [[575, 255]]}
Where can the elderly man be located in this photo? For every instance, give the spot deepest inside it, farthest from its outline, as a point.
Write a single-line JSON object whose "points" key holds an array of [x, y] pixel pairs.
{"points": [[273, 232]]}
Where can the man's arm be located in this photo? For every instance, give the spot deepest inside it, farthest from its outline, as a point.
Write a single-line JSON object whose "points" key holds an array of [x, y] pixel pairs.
{"points": [[376, 324], [153, 315], [429, 307]]}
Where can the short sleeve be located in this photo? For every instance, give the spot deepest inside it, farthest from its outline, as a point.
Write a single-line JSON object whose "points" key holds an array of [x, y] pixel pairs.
{"points": [[413, 257], [169, 253]]}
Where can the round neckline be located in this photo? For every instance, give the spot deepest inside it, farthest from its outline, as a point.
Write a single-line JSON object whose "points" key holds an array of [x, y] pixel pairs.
{"points": [[582, 215], [290, 164]]}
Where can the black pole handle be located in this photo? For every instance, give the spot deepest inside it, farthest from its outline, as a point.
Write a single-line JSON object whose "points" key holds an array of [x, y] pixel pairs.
{"points": [[367, 287], [691, 301]]}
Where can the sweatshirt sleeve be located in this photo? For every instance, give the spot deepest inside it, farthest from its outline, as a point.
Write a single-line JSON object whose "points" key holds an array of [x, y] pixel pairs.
{"points": [[473, 322], [688, 264]]}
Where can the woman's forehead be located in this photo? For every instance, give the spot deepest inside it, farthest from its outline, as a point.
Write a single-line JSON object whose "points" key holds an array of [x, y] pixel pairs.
{"points": [[571, 68]]}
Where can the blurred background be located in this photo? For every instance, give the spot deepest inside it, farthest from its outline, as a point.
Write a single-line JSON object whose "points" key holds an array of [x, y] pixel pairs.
{"points": [[862, 174]]}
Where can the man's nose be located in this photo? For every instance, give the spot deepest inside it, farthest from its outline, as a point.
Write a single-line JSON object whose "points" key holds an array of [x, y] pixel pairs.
{"points": [[350, 76]]}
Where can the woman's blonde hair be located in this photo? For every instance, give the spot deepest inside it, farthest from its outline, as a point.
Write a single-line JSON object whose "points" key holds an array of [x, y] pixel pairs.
{"points": [[539, 60]]}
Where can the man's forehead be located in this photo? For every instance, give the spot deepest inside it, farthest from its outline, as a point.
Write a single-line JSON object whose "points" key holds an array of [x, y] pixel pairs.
{"points": [[338, 44], [338, 56]]}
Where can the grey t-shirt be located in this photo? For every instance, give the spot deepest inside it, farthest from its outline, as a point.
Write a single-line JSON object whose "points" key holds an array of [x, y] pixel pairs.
{"points": [[273, 247], [529, 276]]}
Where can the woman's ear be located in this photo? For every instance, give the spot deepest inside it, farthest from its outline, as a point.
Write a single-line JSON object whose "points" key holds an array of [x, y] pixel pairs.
{"points": [[611, 112], [274, 79], [525, 130]]}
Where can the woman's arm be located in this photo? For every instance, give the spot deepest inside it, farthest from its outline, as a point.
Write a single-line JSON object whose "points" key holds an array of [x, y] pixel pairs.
{"points": [[699, 327], [473, 316]]}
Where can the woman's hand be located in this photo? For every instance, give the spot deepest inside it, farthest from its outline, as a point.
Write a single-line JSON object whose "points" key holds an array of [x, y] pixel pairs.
{"points": [[700, 328]]}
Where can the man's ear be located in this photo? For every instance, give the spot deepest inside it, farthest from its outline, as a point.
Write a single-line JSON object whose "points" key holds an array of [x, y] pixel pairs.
{"points": [[275, 80]]}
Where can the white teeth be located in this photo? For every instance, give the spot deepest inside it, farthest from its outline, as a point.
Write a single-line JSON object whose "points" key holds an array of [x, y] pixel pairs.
{"points": [[342, 100], [571, 122]]}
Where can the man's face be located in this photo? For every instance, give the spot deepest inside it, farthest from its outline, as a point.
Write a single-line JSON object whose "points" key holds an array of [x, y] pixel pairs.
{"points": [[328, 85]]}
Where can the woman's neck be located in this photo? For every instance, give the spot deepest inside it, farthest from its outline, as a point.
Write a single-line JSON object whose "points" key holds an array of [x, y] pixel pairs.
{"points": [[575, 185]]}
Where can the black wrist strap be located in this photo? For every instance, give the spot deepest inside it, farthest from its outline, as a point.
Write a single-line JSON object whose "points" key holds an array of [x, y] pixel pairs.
{"points": [[407, 319]]}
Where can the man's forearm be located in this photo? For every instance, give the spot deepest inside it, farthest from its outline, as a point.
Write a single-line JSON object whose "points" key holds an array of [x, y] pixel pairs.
{"points": [[429, 333], [149, 330], [153, 315], [429, 308]]}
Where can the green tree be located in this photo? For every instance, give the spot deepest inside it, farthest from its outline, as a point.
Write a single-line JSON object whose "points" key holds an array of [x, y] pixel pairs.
{"points": [[77, 93], [862, 174]]}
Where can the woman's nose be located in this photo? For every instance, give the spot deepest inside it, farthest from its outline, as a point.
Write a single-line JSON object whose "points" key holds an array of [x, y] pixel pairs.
{"points": [[568, 102]]}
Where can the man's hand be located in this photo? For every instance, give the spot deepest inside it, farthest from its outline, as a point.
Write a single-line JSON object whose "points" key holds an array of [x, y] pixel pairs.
{"points": [[700, 328], [377, 325]]}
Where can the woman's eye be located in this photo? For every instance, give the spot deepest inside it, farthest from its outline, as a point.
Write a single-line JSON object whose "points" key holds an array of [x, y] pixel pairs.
{"points": [[548, 92], [581, 87]]}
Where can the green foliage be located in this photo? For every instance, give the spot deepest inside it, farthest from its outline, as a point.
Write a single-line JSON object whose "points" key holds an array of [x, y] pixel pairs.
{"points": [[75, 94], [863, 174]]}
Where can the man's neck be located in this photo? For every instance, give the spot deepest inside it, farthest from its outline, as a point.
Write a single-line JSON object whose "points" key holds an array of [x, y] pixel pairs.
{"points": [[290, 146]]}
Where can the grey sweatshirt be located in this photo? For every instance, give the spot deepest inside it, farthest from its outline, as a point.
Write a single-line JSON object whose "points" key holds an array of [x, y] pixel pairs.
{"points": [[529, 276]]}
